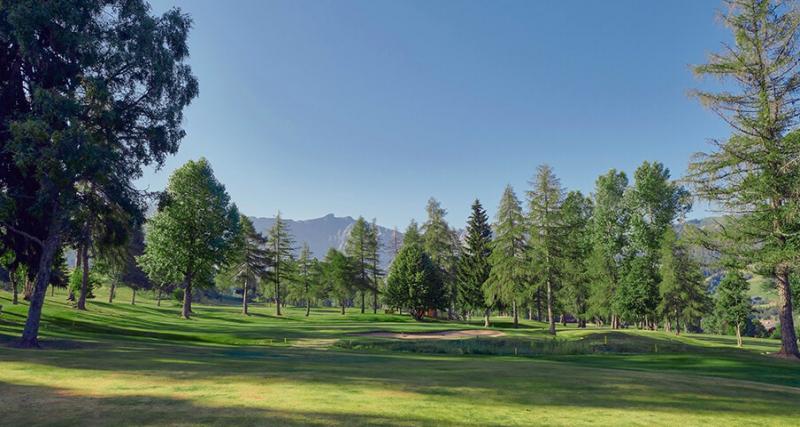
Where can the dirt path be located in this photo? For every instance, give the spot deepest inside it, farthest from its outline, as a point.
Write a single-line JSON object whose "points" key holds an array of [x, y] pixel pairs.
{"points": [[438, 335]]}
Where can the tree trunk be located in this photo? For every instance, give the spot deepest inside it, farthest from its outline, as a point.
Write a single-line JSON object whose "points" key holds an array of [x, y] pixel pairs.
{"points": [[550, 319], [52, 290], [85, 277], [27, 291], [133, 297], [277, 297], [375, 302], [739, 335], [363, 301], [342, 308], [187, 299], [244, 298], [15, 293], [158, 299], [31, 332], [486, 317], [538, 304], [111, 291], [515, 314], [563, 319], [788, 335], [308, 306]]}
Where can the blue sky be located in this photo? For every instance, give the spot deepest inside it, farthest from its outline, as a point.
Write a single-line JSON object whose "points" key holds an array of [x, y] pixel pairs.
{"points": [[371, 107]]}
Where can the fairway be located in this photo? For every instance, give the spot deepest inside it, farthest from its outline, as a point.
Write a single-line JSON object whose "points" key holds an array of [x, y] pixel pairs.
{"points": [[142, 365]]}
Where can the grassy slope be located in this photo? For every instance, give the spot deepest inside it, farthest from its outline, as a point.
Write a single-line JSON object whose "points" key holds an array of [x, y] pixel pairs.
{"points": [[141, 365]]}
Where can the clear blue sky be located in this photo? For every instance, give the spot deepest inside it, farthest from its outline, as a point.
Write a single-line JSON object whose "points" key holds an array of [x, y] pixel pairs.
{"points": [[371, 107]]}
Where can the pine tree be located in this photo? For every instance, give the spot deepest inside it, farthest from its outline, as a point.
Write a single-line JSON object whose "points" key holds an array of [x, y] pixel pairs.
{"points": [[732, 304], [754, 175], [577, 245], [340, 276], [306, 277], [414, 282], [609, 229], [473, 265], [373, 256], [250, 262], [509, 274], [280, 245], [357, 249], [439, 245], [547, 235], [683, 296]]}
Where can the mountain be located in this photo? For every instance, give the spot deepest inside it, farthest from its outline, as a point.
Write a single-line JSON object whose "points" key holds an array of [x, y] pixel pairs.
{"points": [[328, 232]]}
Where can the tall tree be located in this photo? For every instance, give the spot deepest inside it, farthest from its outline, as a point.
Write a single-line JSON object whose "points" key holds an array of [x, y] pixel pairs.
{"points": [[609, 228], [357, 249], [280, 244], [414, 282], [654, 202], [374, 258], [754, 175], [92, 92], [250, 261], [510, 270], [306, 277], [732, 304], [576, 213], [547, 234], [439, 245], [193, 232], [683, 295], [473, 265]]}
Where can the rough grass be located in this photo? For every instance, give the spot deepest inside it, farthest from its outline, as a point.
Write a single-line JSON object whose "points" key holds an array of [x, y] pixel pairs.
{"points": [[141, 365]]}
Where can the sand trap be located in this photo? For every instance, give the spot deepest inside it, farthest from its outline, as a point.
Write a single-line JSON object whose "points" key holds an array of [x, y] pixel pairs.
{"points": [[439, 335]]}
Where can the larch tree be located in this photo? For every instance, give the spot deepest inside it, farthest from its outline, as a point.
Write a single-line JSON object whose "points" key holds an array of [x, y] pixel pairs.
{"points": [[439, 245], [306, 277], [280, 245], [732, 304], [340, 276], [357, 249], [374, 258], [194, 231], [250, 262], [93, 91], [510, 270], [473, 265], [576, 213], [753, 176], [609, 234], [546, 232]]}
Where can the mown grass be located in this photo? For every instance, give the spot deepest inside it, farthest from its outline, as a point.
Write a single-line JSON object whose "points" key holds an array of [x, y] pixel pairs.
{"points": [[141, 365]]}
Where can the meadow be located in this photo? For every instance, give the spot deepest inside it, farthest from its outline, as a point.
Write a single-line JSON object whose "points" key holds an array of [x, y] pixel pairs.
{"points": [[122, 364]]}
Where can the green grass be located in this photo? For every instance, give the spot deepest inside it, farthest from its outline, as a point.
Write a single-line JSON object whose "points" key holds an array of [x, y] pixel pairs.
{"points": [[142, 365]]}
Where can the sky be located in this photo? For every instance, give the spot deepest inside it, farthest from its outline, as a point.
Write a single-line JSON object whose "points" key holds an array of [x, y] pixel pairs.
{"points": [[371, 107]]}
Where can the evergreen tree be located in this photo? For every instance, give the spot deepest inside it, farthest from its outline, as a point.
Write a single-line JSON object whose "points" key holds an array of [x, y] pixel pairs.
{"points": [[609, 229], [250, 262], [510, 268], [754, 175], [92, 92], [547, 235], [414, 282], [412, 235], [473, 265], [193, 232], [307, 276], [357, 249], [577, 246], [280, 245], [732, 304], [439, 245], [683, 296], [373, 256]]}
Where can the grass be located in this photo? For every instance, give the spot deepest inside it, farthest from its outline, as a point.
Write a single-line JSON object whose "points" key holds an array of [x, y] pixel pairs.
{"points": [[141, 365]]}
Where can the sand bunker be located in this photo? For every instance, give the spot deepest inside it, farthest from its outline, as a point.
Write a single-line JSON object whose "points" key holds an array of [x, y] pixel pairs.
{"points": [[439, 335]]}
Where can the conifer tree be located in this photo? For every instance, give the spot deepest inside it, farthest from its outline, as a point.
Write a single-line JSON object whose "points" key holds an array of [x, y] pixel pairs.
{"points": [[373, 256], [439, 245], [509, 272], [609, 229], [307, 275], [357, 249], [414, 282], [753, 176], [250, 262], [732, 304], [280, 245], [577, 245], [340, 277], [547, 235], [473, 265]]}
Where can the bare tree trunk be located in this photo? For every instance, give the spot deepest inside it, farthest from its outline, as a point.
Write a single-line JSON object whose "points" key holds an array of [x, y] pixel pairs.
{"points": [[550, 320], [739, 335], [52, 290], [111, 291], [187, 298], [363, 301], [158, 299], [308, 307], [788, 335], [342, 307], [375, 302], [563, 319], [515, 313], [30, 333], [486, 317], [244, 298], [15, 293], [133, 297], [27, 291], [538, 304], [277, 295], [85, 278]]}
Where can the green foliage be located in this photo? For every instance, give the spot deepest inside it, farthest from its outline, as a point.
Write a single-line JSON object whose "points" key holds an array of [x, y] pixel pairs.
{"points": [[732, 304], [576, 216], [414, 282], [441, 244], [76, 279], [280, 245], [340, 276], [473, 265], [683, 296], [357, 248], [510, 272]]}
